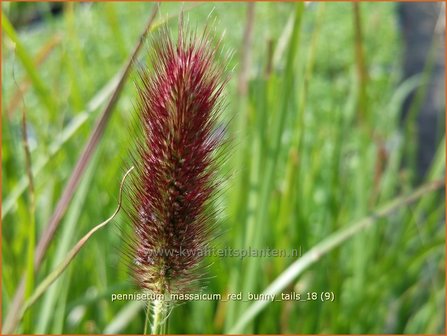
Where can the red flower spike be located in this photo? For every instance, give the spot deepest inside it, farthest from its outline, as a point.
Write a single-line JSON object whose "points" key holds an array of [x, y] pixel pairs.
{"points": [[176, 157]]}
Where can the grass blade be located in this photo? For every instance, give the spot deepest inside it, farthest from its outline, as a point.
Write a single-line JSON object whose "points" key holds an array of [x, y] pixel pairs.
{"points": [[32, 216]]}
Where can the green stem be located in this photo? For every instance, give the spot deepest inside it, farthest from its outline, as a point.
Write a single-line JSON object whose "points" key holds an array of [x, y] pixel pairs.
{"points": [[159, 317], [146, 321]]}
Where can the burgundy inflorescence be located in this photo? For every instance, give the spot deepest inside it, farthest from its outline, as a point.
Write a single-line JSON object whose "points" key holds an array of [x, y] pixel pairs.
{"points": [[175, 160]]}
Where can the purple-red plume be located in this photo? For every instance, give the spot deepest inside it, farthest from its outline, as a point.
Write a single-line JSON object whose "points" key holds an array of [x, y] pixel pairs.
{"points": [[180, 100]]}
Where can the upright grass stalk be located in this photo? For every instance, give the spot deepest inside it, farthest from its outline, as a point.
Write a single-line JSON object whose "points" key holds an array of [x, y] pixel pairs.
{"points": [[362, 74], [32, 216], [240, 200], [260, 200], [176, 159]]}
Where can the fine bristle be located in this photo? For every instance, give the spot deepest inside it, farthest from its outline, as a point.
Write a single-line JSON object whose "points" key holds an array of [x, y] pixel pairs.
{"points": [[179, 102]]}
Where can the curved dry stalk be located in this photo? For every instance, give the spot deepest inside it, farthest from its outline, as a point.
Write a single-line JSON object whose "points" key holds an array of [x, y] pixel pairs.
{"points": [[49, 280]]}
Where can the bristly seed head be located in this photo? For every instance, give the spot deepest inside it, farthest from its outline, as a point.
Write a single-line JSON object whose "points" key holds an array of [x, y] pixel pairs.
{"points": [[180, 100]]}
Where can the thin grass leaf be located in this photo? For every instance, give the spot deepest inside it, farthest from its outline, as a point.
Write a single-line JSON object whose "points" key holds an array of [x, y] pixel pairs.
{"points": [[362, 71], [29, 285]]}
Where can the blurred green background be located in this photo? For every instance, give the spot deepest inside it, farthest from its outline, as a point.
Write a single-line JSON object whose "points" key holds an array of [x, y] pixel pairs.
{"points": [[316, 146]]}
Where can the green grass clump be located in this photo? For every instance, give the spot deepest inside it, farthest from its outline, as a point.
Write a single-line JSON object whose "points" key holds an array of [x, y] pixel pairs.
{"points": [[307, 160]]}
